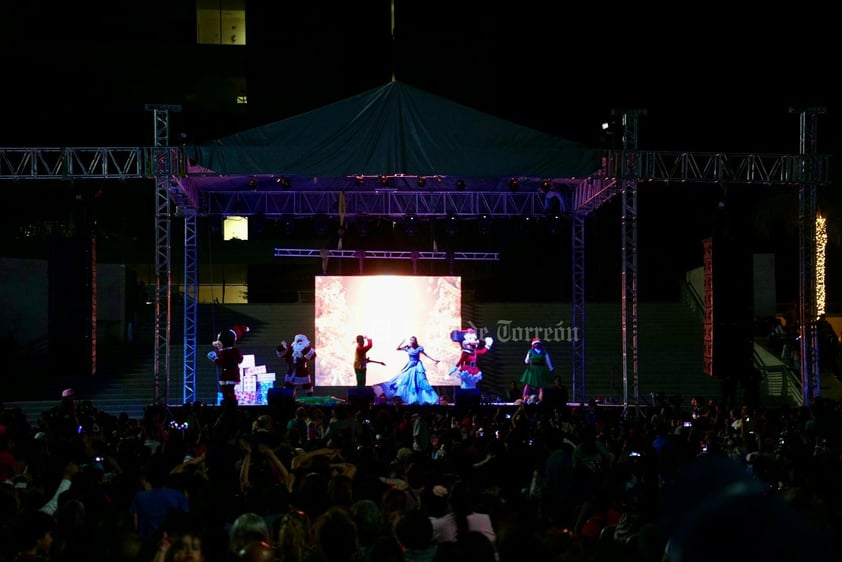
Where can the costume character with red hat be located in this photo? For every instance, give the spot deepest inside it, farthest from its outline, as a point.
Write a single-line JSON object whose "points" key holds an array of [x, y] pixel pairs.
{"points": [[466, 367], [227, 356], [538, 373], [297, 357]]}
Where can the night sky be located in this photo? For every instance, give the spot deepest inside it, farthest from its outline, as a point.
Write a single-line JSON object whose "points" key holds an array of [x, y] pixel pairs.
{"points": [[708, 79]]}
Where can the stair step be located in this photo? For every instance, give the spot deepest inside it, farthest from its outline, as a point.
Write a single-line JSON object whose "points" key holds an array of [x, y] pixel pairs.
{"points": [[669, 341]]}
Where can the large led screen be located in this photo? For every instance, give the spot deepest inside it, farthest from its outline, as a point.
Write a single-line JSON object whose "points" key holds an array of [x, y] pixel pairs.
{"points": [[388, 309]]}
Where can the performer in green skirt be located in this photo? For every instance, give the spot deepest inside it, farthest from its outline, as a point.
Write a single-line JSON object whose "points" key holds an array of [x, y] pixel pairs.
{"points": [[538, 373]]}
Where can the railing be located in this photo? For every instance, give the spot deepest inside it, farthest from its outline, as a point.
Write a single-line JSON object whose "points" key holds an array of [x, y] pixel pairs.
{"points": [[780, 381]]}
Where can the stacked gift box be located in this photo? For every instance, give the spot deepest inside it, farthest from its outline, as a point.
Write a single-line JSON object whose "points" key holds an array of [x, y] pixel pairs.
{"points": [[255, 382]]}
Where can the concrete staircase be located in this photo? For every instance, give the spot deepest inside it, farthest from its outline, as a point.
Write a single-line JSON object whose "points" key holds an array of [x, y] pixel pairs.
{"points": [[269, 324], [669, 342], [124, 381]]}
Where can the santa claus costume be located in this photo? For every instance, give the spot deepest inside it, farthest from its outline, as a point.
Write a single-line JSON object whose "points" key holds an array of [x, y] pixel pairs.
{"points": [[297, 358], [227, 356]]}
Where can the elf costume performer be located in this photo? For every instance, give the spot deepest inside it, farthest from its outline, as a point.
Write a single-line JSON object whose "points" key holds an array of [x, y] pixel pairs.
{"points": [[297, 357], [227, 356], [538, 373], [466, 367]]}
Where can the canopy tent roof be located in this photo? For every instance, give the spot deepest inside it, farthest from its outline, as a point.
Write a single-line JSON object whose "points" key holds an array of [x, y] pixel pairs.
{"points": [[394, 130]]}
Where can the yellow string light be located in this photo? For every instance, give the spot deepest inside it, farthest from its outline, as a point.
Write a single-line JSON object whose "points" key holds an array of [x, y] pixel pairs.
{"points": [[821, 244]]}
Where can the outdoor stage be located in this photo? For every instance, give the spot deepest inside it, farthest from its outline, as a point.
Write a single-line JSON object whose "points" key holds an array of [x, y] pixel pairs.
{"points": [[281, 404]]}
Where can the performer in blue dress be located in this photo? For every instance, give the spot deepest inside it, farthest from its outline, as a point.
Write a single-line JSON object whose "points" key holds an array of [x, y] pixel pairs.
{"points": [[410, 384]]}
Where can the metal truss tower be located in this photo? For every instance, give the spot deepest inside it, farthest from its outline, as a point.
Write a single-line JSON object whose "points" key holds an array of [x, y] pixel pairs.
{"points": [[162, 171], [172, 201], [628, 297], [587, 198], [191, 301], [807, 312], [578, 346]]}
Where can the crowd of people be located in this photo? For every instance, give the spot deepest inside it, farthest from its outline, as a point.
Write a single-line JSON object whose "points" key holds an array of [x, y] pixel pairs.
{"points": [[372, 482]]}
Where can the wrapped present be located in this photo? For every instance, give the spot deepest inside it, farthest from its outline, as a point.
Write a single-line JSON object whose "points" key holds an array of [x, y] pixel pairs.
{"points": [[246, 390], [266, 378], [255, 370], [265, 381]]}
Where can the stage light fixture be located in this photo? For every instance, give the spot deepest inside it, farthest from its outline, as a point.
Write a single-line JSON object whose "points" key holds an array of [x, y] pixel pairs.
{"points": [[257, 225], [612, 131], [422, 181], [555, 226], [452, 227], [284, 182], [321, 225], [252, 184], [460, 185], [360, 180], [288, 226], [484, 225], [411, 226], [514, 184], [384, 181]]}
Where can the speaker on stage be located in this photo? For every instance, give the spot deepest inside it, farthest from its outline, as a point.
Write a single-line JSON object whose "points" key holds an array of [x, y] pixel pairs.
{"points": [[466, 398], [553, 398], [360, 396], [281, 403]]}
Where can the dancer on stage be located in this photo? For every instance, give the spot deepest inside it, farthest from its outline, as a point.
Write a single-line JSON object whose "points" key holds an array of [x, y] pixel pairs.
{"points": [[360, 359], [538, 373], [466, 367], [411, 384], [297, 357], [227, 355]]}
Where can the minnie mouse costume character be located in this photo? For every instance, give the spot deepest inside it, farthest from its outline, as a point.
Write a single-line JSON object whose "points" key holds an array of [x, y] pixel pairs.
{"points": [[227, 355], [466, 367], [297, 357]]}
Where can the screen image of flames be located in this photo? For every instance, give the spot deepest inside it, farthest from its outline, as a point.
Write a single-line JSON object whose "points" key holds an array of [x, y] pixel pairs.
{"points": [[388, 309]]}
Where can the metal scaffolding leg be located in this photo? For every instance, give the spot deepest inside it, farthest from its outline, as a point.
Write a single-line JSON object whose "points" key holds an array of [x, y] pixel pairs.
{"points": [[163, 169], [807, 315], [629, 258], [578, 227], [629, 296], [163, 281], [190, 307]]}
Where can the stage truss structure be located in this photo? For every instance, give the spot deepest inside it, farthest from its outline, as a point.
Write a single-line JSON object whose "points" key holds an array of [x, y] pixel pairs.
{"points": [[622, 173]]}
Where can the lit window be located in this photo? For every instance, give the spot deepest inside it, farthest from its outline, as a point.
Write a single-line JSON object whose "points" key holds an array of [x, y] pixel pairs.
{"points": [[235, 228], [221, 22]]}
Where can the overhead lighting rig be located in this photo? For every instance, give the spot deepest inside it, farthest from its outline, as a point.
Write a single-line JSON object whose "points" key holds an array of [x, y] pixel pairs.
{"points": [[390, 181]]}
